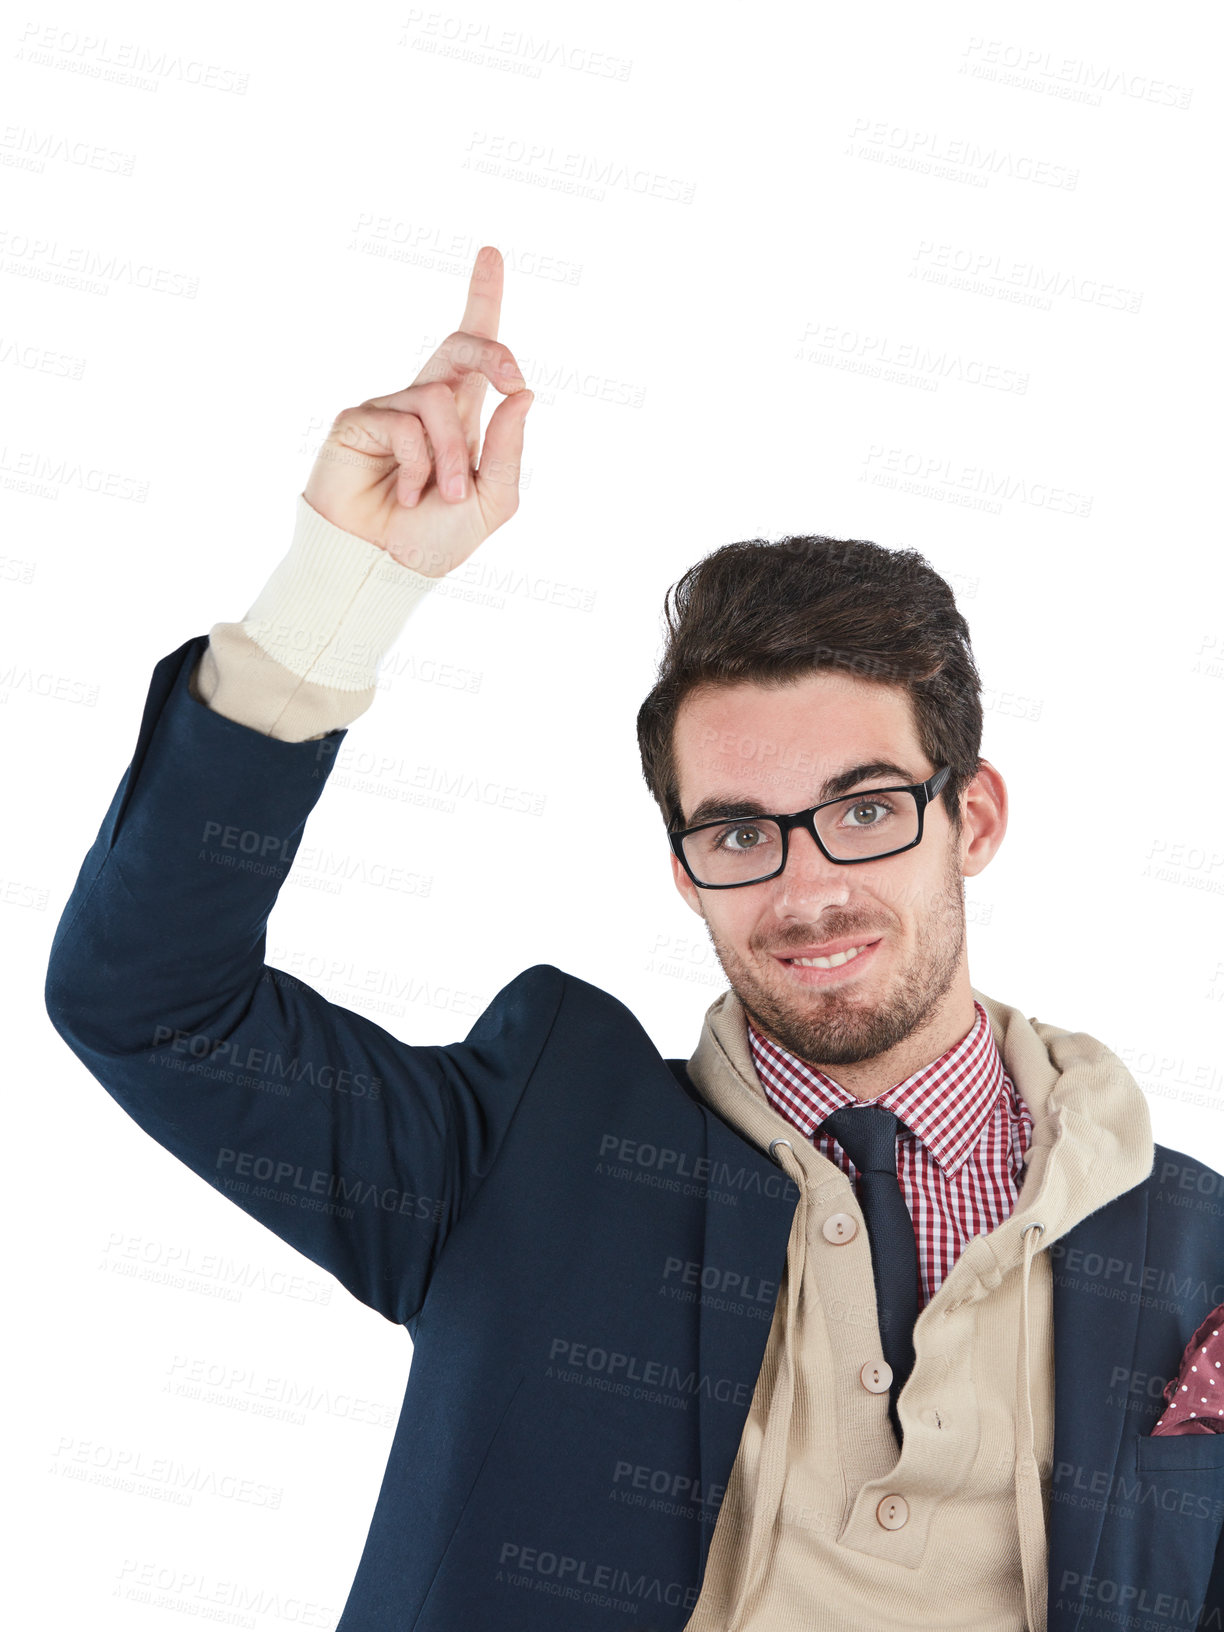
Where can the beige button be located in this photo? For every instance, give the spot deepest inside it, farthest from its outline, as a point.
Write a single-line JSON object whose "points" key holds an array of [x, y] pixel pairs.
{"points": [[876, 1376], [892, 1512], [839, 1227]]}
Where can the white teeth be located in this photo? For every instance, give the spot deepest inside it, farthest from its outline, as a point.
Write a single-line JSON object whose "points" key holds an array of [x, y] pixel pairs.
{"points": [[828, 963]]}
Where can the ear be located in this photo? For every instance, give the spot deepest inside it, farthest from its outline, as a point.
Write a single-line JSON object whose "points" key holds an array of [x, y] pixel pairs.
{"points": [[985, 818], [686, 886]]}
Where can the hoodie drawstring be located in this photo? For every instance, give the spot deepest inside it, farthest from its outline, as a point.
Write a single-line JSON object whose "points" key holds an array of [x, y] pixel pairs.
{"points": [[771, 1469]]}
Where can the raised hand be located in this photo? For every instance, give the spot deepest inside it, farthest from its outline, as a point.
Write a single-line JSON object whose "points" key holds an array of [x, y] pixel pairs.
{"points": [[407, 472]]}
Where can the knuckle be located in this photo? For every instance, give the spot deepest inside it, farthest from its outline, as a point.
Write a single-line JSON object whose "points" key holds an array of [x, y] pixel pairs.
{"points": [[462, 347], [353, 430]]}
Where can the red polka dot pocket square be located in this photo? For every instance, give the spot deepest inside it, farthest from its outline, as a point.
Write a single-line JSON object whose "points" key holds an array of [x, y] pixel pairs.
{"points": [[1196, 1395]]}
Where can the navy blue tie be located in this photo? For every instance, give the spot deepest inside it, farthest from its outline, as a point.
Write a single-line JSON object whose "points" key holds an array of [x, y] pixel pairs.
{"points": [[868, 1135]]}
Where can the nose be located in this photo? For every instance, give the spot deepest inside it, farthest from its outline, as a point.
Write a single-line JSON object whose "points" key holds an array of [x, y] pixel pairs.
{"points": [[809, 876]]}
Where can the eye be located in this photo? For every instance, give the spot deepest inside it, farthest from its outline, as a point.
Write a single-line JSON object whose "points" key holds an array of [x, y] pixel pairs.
{"points": [[746, 831], [873, 803]]}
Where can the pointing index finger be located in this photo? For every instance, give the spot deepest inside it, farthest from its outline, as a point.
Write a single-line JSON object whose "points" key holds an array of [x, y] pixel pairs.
{"points": [[482, 313]]}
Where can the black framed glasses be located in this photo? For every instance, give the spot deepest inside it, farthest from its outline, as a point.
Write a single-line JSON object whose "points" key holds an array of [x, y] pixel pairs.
{"points": [[729, 852]]}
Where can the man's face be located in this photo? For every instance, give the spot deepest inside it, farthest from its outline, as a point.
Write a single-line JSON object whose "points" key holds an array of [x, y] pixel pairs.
{"points": [[777, 746]]}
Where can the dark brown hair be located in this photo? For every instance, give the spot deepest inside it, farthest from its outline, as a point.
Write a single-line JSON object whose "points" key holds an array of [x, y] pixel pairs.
{"points": [[770, 613]]}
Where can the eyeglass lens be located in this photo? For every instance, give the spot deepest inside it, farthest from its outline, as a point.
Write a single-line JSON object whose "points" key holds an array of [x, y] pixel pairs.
{"points": [[853, 829]]}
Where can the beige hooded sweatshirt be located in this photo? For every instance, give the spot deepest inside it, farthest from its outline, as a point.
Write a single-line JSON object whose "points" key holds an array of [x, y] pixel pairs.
{"points": [[825, 1526]]}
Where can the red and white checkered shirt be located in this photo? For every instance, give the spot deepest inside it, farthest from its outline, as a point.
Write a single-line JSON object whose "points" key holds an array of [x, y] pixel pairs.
{"points": [[959, 1152]]}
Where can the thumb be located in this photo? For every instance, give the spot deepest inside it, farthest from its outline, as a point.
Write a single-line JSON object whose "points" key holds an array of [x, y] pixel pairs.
{"points": [[497, 478]]}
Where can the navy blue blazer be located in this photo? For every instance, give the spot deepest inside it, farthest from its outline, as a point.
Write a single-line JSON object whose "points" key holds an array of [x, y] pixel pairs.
{"points": [[540, 1206]]}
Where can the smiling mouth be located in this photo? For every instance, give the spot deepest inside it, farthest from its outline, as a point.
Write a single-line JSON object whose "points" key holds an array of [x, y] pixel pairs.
{"points": [[833, 962]]}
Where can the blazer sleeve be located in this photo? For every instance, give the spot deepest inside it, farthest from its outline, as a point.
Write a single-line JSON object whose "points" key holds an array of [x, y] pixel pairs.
{"points": [[358, 1149]]}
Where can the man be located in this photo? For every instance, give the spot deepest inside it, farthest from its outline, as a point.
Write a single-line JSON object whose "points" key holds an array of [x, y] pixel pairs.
{"points": [[861, 1318]]}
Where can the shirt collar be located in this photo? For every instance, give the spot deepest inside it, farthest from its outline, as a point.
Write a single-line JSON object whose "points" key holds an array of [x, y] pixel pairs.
{"points": [[946, 1104]]}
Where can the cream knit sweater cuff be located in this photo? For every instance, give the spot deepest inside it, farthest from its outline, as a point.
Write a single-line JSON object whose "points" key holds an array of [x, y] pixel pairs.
{"points": [[304, 660]]}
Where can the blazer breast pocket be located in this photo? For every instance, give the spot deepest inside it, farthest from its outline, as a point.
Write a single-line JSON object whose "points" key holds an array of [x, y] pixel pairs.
{"points": [[1161, 1453], [1167, 1502]]}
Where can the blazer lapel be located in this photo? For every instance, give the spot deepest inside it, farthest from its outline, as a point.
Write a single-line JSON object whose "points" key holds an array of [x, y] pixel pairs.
{"points": [[749, 1209], [1093, 1333]]}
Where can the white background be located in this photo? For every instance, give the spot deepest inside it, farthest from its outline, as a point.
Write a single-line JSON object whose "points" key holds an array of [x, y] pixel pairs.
{"points": [[769, 270]]}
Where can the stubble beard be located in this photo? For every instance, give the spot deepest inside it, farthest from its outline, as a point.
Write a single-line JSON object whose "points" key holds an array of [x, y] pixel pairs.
{"points": [[834, 1026]]}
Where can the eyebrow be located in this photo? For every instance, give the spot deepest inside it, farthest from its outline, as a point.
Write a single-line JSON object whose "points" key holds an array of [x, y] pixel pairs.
{"points": [[732, 806]]}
